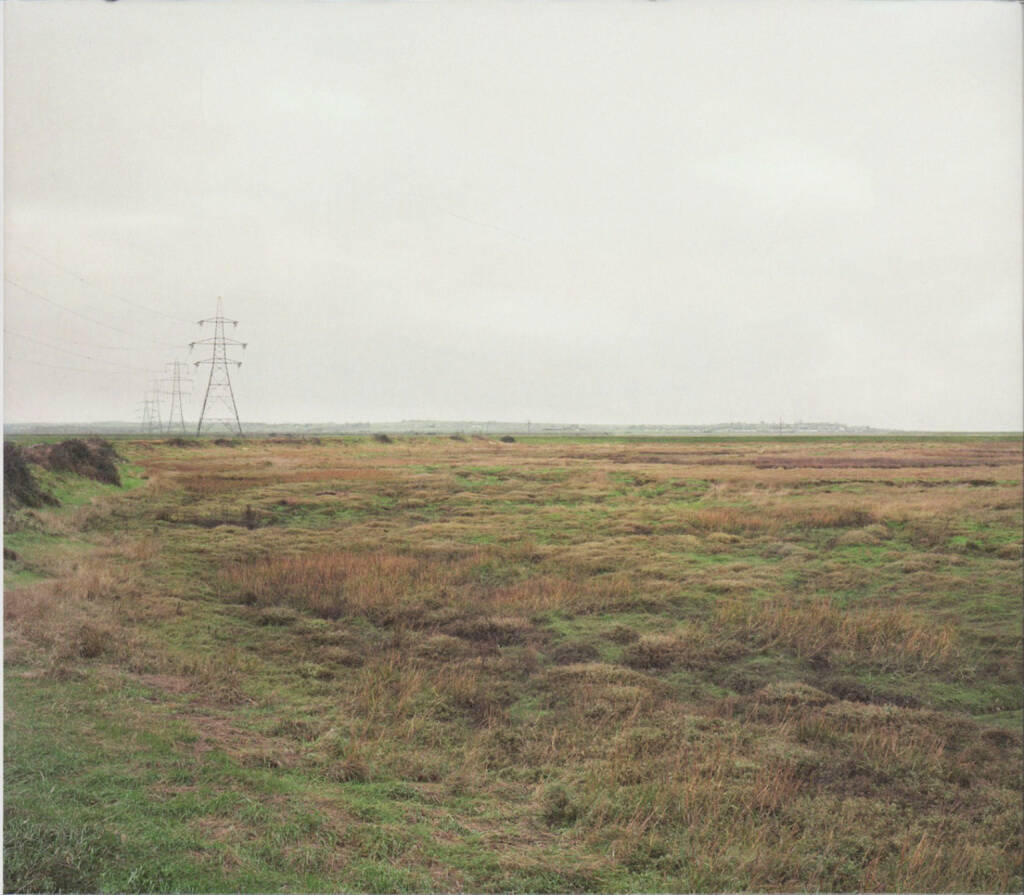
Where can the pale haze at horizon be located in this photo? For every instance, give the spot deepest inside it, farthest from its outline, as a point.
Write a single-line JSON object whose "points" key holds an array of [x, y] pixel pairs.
{"points": [[658, 213]]}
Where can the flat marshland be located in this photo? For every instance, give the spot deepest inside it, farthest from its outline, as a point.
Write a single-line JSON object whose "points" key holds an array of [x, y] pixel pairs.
{"points": [[455, 664]]}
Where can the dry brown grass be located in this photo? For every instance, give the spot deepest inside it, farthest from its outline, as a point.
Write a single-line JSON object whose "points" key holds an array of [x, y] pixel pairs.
{"points": [[386, 586], [68, 621], [819, 628], [336, 584], [102, 576]]}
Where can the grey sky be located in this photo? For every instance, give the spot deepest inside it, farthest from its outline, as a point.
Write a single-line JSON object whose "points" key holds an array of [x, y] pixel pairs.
{"points": [[594, 212]]}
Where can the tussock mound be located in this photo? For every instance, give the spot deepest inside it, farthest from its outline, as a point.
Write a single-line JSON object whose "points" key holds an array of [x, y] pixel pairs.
{"points": [[20, 488], [92, 458]]}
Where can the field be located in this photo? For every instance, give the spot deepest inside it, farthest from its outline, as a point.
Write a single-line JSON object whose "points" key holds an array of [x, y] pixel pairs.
{"points": [[456, 664]]}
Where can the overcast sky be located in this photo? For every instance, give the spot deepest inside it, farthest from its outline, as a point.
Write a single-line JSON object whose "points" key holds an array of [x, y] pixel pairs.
{"points": [[627, 212]]}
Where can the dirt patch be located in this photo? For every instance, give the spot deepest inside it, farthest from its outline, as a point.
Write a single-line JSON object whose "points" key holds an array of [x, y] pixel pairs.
{"points": [[871, 462], [247, 748], [495, 631], [248, 518], [574, 652], [170, 683], [793, 693], [654, 652], [853, 690], [621, 634]]}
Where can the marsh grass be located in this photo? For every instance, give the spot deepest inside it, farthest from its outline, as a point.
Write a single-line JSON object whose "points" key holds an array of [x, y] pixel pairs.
{"points": [[822, 631], [547, 665]]}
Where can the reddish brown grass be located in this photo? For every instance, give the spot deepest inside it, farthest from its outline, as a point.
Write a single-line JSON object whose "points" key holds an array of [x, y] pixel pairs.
{"points": [[821, 628]]}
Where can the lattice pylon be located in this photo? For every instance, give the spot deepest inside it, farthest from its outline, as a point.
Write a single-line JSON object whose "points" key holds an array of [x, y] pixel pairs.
{"points": [[219, 393], [177, 408]]}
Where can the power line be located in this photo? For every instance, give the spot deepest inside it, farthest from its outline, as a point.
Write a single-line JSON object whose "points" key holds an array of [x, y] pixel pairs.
{"points": [[39, 363], [98, 288], [60, 348], [87, 344], [116, 329], [96, 347]]}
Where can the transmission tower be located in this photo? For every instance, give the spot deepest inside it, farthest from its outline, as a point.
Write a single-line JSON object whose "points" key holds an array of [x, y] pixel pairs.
{"points": [[157, 422], [219, 394], [150, 415], [174, 393]]}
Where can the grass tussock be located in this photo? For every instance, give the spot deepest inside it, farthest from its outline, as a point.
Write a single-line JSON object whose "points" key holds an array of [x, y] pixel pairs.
{"points": [[333, 585], [819, 629]]}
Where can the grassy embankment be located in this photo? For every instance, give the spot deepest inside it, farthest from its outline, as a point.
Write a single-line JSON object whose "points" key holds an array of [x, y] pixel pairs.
{"points": [[439, 665]]}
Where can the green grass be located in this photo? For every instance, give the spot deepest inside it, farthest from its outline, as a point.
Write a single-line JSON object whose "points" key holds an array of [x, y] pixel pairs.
{"points": [[556, 673]]}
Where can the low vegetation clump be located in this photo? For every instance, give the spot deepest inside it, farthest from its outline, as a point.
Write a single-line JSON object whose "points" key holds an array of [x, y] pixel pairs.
{"points": [[91, 458], [20, 487], [462, 664]]}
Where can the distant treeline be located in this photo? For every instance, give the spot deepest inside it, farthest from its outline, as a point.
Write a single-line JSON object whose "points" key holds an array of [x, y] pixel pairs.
{"points": [[448, 427]]}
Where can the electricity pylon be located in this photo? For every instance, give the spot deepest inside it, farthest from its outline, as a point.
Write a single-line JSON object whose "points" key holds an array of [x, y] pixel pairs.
{"points": [[219, 393], [177, 405], [150, 415]]}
